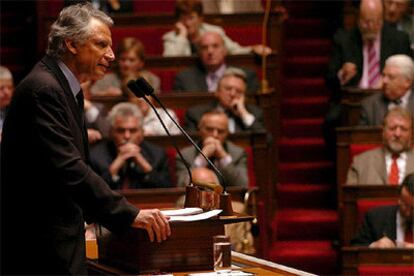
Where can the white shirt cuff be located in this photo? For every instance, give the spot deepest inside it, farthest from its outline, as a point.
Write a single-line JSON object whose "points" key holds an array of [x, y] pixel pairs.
{"points": [[248, 119], [92, 114]]}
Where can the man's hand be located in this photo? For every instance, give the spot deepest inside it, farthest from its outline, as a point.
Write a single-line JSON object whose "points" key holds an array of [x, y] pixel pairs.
{"points": [[155, 223], [347, 72], [384, 242], [181, 30], [261, 50], [93, 135], [213, 147]]}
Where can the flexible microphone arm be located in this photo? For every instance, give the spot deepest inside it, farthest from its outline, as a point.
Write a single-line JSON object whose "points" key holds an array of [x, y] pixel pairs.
{"points": [[138, 93], [142, 85]]}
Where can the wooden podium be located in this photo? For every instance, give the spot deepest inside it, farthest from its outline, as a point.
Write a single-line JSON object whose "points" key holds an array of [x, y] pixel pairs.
{"points": [[189, 248]]}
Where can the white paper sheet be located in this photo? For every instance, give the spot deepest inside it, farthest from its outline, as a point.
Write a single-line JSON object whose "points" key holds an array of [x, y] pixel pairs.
{"points": [[182, 212], [197, 217]]}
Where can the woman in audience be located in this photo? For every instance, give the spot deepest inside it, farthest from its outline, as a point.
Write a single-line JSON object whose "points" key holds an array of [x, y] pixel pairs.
{"points": [[130, 65], [183, 39]]}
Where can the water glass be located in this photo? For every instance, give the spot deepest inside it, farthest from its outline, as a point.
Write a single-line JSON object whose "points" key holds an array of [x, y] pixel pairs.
{"points": [[222, 254]]}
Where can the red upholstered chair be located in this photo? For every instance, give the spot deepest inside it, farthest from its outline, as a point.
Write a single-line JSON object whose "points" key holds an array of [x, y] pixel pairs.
{"points": [[167, 78], [151, 37], [385, 270], [250, 167], [171, 153], [355, 149], [153, 6], [245, 35], [364, 205]]}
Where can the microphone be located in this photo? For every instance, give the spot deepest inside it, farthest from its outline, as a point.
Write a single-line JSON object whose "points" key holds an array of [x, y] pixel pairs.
{"points": [[141, 88]]}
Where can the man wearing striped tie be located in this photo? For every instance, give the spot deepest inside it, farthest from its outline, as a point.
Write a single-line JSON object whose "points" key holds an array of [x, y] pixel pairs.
{"points": [[397, 83]]}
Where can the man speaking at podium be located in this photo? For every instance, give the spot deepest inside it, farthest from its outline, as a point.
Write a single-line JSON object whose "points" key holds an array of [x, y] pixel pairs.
{"points": [[48, 188]]}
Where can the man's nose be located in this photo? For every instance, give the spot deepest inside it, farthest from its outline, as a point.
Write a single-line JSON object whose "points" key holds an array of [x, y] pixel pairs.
{"points": [[110, 54]]}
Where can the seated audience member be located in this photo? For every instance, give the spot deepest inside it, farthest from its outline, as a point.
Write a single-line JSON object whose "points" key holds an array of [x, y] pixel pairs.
{"points": [[399, 14], [230, 98], [390, 226], [358, 56], [126, 160], [204, 76], [397, 79], [241, 238], [189, 27], [391, 162], [232, 6], [230, 159], [6, 93], [130, 65], [151, 124]]}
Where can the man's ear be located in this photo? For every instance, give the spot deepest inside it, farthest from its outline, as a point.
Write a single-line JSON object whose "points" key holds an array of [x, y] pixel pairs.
{"points": [[70, 44]]}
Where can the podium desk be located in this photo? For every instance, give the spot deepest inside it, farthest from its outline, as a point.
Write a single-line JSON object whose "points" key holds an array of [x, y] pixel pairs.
{"points": [[240, 261]]}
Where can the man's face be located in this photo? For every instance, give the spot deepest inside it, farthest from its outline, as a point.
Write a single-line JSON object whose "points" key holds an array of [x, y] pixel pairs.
{"points": [[394, 84], [229, 89], [192, 22], [214, 125], [127, 130], [394, 10], [397, 134], [406, 204], [212, 51], [129, 64], [94, 57], [6, 92], [370, 24]]}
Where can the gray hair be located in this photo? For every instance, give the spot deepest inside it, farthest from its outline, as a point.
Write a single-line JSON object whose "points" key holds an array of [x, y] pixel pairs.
{"points": [[73, 23], [404, 63], [234, 72], [398, 111], [124, 110], [5, 73]]}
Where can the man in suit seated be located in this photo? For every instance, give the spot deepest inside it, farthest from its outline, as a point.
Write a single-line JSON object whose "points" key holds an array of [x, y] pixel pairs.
{"points": [[6, 93], [391, 162], [230, 159], [204, 76], [390, 226], [230, 98], [397, 79], [126, 160], [190, 25]]}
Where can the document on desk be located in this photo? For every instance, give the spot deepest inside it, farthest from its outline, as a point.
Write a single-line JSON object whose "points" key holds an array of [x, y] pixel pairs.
{"points": [[196, 217], [182, 212], [232, 273]]}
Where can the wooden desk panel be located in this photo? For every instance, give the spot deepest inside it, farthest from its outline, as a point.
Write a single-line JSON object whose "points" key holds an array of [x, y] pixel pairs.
{"points": [[352, 257], [351, 104]]}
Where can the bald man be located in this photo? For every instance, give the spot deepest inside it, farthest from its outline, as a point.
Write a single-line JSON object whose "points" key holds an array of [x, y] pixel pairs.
{"points": [[205, 75]]}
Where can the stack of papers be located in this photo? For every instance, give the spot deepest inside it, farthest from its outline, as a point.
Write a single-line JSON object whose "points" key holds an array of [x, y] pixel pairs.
{"points": [[190, 214]]}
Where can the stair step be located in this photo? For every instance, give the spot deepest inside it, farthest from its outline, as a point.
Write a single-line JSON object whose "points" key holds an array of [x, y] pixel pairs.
{"points": [[301, 127], [312, 256], [304, 107], [301, 149], [306, 47], [309, 224], [303, 86], [315, 66], [306, 28], [306, 172], [304, 195]]}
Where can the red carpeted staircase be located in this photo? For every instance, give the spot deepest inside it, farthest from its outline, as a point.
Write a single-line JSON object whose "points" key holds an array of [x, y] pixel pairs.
{"points": [[306, 221]]}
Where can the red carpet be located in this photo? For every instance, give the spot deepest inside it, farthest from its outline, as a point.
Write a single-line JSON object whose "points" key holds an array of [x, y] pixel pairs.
{"points": [[306, 221]]}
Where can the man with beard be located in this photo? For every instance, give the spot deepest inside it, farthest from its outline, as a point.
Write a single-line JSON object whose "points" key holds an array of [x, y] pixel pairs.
{"points": [[397, 82], [387, 165]]}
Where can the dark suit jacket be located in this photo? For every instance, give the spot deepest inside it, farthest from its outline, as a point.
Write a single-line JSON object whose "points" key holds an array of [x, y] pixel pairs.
{"points": [[48, 187], [194, 114], [348, 46], [374, 108], [104, 153], [378, 222], [193, 79]]}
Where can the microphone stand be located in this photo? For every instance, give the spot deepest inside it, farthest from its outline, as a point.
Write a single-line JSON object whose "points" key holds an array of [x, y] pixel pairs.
{"points": [[141, 85]]}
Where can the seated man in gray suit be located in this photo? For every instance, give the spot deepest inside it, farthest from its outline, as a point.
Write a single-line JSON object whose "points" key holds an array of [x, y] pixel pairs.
{"points": [[204, 76], [390, 226], [397, 82], [126, 160], [230, 98], [230, 159], [392, 162]]}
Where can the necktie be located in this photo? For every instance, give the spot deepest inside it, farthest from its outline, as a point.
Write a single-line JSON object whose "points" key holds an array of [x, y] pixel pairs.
{"points": [[393, 176], [373, 66], [408, 233]]}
